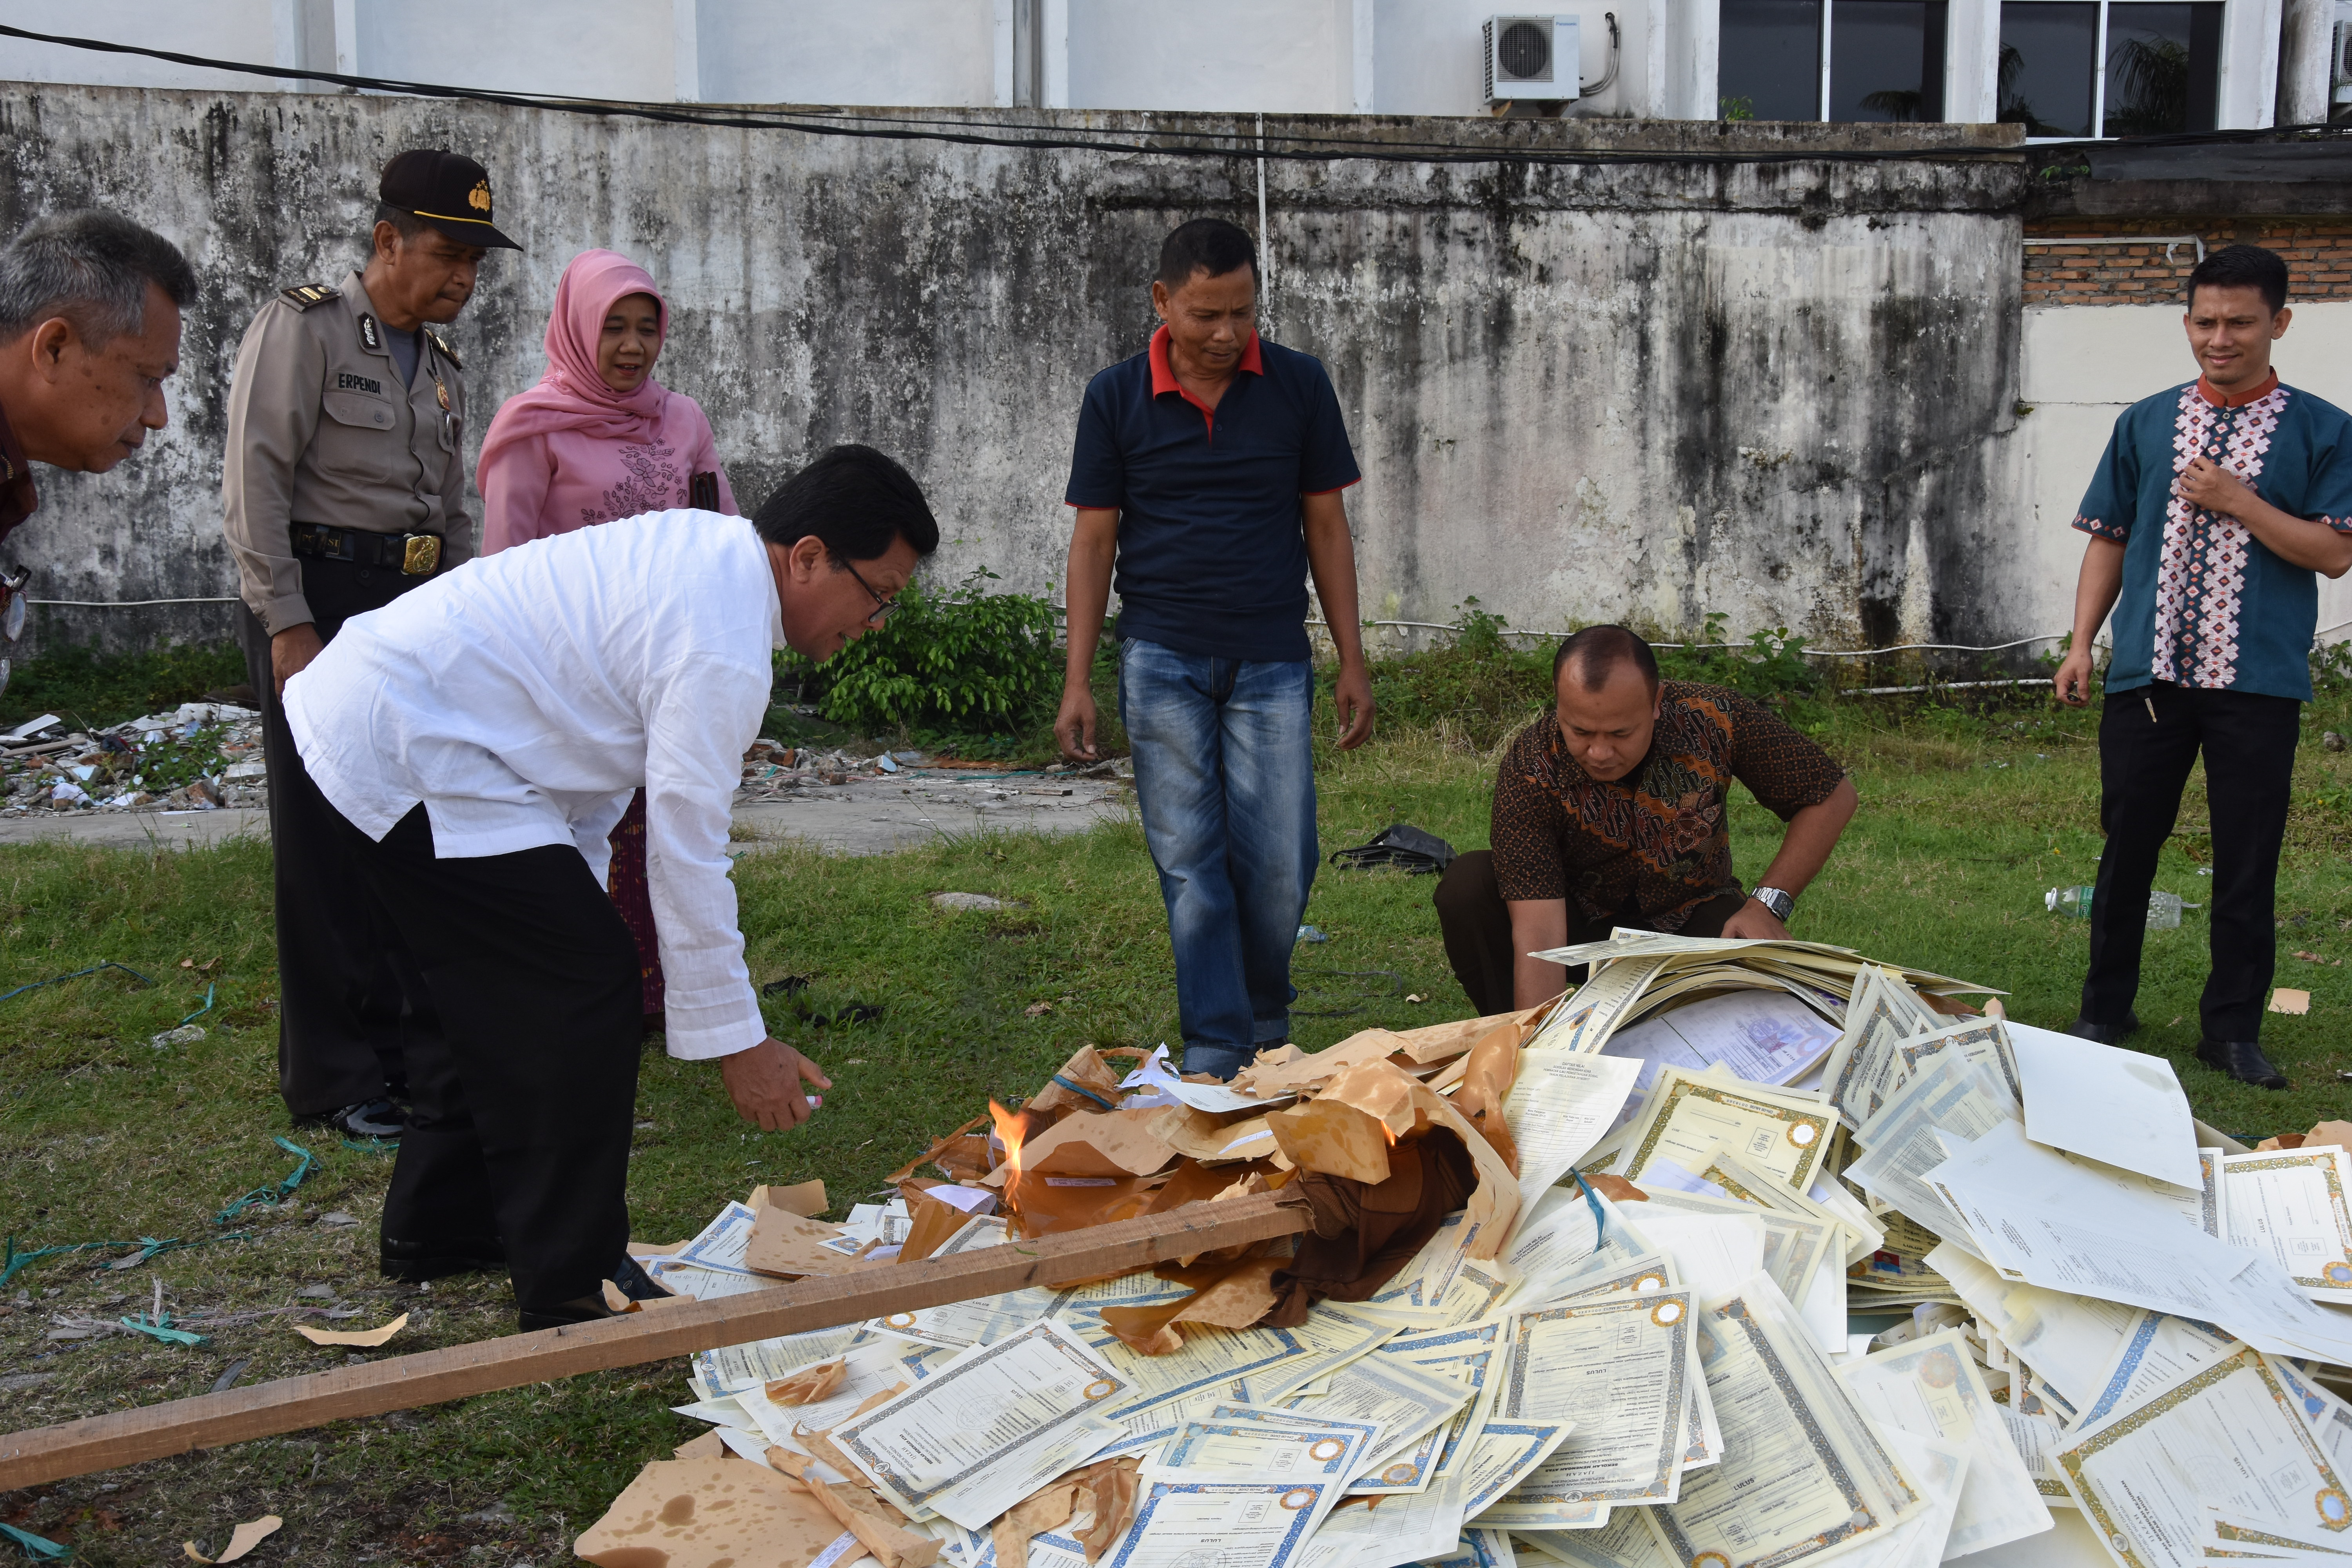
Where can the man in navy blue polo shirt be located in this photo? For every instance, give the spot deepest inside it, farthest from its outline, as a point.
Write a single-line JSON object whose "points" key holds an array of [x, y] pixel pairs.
{"points": [[1209, 469], [2216, 505]]}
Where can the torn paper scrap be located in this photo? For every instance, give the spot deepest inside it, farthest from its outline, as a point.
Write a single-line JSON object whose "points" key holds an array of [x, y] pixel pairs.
{"points": [[365, 1338], [241, 1540], [705, 1514]]}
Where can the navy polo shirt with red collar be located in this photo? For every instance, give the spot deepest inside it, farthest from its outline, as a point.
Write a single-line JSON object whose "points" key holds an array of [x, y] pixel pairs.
{"points": [[2203, 601], [1211, 547]]}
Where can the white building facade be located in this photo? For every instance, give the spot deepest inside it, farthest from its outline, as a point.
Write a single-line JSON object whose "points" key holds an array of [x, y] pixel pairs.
{"points": [[2063, 67]]}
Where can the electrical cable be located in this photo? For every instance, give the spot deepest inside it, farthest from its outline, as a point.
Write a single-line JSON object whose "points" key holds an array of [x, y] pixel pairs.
{"points": [[1293, 147], [1810, 652], [1609, 77]]}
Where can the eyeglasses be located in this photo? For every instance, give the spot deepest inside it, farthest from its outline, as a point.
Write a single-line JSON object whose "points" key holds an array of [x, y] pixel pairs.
{"points": [[882, 607], [12, 611]]}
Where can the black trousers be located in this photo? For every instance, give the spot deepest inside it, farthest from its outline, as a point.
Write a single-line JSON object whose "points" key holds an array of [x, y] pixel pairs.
{"points": [[524, 1096], [2148, 739], [1476, 925], [348, 1005]]}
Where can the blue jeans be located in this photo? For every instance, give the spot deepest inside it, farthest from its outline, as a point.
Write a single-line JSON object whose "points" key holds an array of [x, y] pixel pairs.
{"points": [[1224, 778]]}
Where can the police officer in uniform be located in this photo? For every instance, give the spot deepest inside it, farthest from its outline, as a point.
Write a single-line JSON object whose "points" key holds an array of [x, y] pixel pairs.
{"points": [[345, 488]]}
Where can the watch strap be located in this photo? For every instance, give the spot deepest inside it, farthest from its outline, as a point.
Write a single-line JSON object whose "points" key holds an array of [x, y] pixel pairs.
{"points": [[1780, 903]]}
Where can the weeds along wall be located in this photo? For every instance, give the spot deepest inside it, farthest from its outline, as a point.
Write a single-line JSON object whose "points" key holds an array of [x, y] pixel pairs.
{"points": [[1782, 391]]}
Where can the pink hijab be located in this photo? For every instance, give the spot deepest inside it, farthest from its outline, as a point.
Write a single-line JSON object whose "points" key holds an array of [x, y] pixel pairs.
{"points": [[572, 396]]}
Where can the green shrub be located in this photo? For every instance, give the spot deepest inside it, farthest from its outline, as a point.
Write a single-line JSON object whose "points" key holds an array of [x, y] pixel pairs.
{"points": [[2331, 668], [1488, 685], [1479, 683], [966, 661], [1773, 663]]}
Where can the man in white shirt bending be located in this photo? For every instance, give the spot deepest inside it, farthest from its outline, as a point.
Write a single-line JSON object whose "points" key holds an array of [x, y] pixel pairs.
{"points": [[479, 737]]}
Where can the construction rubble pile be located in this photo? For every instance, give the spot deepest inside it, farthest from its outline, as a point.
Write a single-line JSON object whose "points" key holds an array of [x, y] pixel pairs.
{"points": [[200, 757], [204, 756], [1741, 1255]]}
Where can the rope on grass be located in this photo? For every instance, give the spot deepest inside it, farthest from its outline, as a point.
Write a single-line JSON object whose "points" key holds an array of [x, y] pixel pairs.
{"points": [[13, 1262], [77, 975], [270, 1196]]}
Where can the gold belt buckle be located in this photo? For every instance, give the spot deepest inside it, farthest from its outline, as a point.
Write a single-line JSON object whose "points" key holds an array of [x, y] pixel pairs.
{"points": [[420, 555]]}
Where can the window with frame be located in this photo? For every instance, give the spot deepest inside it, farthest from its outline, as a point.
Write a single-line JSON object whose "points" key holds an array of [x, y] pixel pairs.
{"points": [[2110, 67], [1842, 60]]}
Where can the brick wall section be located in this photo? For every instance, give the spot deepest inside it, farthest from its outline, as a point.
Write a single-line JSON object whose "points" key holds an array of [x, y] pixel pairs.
{"points": [[2318, 258]]}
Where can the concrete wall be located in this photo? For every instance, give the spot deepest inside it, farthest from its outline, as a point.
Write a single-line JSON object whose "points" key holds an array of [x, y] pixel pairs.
{"points": [[2085, 364], [1655, 390]]}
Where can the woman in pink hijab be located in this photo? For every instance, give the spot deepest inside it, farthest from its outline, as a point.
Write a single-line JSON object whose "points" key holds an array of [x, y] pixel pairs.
{"points": [[599, 439]]}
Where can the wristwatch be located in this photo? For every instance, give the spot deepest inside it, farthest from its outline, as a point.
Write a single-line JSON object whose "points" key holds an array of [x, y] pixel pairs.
{"points": [[1781, 904]]}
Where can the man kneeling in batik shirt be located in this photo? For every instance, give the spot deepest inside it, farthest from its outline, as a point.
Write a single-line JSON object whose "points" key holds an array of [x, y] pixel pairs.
{"points": [[1610, 811], [2217, 505]]}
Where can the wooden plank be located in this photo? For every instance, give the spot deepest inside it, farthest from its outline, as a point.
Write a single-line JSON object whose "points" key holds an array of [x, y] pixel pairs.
{"points": [[401, 1382]]}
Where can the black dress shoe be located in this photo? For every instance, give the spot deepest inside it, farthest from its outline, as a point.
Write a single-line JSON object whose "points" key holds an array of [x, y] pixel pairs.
{"points": [[2103, 1034], [414, 1262], [2242, 1061], [632, 1281], [379, 1118]]}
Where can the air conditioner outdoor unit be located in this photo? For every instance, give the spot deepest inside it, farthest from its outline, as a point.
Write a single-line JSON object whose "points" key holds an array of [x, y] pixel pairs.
{"points": [[2339, 72], [1531, 58]]}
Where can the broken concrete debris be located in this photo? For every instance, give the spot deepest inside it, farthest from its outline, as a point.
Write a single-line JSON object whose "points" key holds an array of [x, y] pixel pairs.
{"points": [[1744, 1253], [200, 757]]}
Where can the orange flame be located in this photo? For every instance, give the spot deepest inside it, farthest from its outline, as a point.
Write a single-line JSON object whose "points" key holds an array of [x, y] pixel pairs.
{"points": [[1011, 1129]]}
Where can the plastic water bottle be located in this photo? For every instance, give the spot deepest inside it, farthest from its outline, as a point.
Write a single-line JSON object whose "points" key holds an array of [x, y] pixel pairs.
{"points": [[2163, 908]]}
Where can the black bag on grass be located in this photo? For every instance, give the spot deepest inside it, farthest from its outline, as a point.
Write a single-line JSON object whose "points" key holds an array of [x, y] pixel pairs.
{"points": [[1402, 846]]}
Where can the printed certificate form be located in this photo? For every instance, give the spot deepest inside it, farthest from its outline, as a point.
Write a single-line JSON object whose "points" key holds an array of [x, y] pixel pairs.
{"points": [[988, 1429], [1405, 1400], [2232, 1437], [1788, 1489], [2290, 1203], [1559, 1105], [1615, 1365], [1686, 1117], [1930, 1388], [1587, 1017], [2158, 1351], [1229, 1523]]}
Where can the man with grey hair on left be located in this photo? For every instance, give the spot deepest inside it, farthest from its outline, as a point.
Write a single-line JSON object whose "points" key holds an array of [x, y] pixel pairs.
{"points": [[89, 326]]}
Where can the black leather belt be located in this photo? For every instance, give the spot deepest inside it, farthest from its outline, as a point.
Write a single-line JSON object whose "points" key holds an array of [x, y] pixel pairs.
{"points": [[415, 554]]}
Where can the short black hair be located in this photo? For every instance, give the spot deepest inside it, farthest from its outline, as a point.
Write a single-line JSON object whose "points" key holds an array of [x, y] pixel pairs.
{"points": [[1209, 245], [1597, 651], [406, 223], [2243, 267], [92, 268], [856, 500]]}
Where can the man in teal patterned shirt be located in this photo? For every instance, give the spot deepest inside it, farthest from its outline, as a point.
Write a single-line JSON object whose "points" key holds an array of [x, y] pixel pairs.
{"points": [[2216, 505]]}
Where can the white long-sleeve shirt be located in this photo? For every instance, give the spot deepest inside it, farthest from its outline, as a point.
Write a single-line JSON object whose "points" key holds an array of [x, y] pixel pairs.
{"points": [[524, 696]]}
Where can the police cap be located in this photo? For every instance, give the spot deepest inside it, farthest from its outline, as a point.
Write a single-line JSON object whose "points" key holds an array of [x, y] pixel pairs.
{"points": [[447, 190]]}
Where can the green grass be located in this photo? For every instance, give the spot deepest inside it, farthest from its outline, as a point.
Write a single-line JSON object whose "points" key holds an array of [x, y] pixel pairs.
{"points": [[1965, 819], [95, 689]]}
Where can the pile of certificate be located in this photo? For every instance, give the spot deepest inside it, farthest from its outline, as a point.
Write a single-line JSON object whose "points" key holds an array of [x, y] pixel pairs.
{"points": [[1805, 1261]]}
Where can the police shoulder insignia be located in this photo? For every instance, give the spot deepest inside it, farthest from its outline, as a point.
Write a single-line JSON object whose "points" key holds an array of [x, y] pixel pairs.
{"points": [[302, 296], [448, 353]]}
